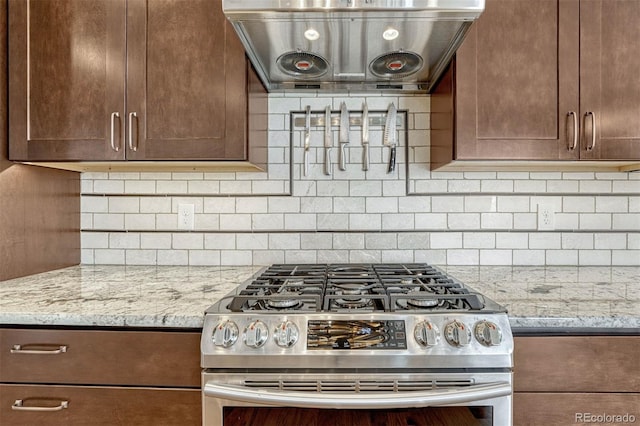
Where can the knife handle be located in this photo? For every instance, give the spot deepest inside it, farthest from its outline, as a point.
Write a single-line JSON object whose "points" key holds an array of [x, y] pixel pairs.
{"points": [[327, 161], [342, 163], [392, 159], [365, 157]]}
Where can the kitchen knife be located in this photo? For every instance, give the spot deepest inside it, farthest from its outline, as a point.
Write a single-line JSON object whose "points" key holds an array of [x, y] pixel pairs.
{"points": [[344, 136], [307, 138], [389, 138], [365, 137], [328, 141]]}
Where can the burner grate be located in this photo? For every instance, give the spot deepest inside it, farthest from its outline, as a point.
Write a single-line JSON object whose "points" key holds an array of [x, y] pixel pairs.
{"points": [[355, 287]]}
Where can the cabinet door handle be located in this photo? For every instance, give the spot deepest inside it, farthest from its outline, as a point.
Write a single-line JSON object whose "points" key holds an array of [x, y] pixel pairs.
{"points": [[55, 350], [593, 130], [132, 147], [19, 406], [114, 115], [575, 130]]}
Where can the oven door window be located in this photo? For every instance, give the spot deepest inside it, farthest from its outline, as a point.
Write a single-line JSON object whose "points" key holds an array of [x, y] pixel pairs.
{"points": [[283, 416]]}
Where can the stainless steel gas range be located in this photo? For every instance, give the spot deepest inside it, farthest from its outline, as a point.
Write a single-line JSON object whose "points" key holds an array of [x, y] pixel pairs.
{"points": [[371, 339]]}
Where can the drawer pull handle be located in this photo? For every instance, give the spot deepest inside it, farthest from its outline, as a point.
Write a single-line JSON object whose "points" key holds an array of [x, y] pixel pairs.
{"points": [[18, 406], [58, 349]]}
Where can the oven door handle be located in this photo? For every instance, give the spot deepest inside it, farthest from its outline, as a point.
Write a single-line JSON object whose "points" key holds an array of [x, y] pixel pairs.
{"points": [[360, 400]]}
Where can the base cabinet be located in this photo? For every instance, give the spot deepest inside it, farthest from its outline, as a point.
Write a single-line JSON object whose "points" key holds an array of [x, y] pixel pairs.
{"points": [[99, 377], [561, 380]]}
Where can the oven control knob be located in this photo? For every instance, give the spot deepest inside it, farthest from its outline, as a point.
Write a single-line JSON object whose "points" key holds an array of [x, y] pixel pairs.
{"points": [[225, 334], [256, 334], [426, 334], [488, 333], [457, 333], [286, 335]]}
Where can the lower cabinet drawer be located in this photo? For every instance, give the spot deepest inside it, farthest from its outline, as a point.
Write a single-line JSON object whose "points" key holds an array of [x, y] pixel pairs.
{"points": [[555, 408], [104, 357], [81, 405]]}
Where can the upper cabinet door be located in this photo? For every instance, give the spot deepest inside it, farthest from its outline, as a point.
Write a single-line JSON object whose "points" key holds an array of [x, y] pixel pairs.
{"points": [[66, 79], [610, 79], [516, 86], [186, 82]]}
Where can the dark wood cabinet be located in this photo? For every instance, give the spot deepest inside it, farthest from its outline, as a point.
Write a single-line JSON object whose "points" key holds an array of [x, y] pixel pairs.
{"points": [[532, 77], [114, 80], [90, 376], [557, 378]]}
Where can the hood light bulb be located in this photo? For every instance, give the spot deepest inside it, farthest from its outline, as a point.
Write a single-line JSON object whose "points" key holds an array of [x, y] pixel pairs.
{"points": [[311, 34], [390, 34]]}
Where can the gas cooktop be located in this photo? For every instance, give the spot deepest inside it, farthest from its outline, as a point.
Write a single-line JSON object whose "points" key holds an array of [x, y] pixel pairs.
{"points": [[354, 288], [355, 315]]}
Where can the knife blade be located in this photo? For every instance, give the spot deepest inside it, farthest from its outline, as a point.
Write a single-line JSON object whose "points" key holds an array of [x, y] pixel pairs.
{"points": [[328, 141], [344, 136], [307, 139], [389, 138], [365, 136]]}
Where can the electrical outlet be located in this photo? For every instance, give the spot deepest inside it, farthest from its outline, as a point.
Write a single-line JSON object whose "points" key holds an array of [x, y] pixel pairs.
{"points": [[185, 216], [546, 217]]}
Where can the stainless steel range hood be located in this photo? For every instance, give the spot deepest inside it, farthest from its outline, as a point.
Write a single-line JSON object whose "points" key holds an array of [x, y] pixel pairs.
{"points": [[357, 45]]}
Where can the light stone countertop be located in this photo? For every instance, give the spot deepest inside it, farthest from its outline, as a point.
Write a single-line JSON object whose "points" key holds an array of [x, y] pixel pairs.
{"points": [[176, 296]]}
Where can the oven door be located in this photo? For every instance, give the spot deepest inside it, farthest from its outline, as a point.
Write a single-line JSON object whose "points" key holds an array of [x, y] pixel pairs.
{"points": [[356, 398]]}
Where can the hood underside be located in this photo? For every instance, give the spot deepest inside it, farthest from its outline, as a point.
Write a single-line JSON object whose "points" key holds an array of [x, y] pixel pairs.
{"points": [[355, 45]]}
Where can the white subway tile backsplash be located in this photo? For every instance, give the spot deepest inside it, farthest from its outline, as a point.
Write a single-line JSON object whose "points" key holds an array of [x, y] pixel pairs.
{"points": [[220, 241], [140, 186], [528, 257], [446, 240], [267, 222], [577, 241], [172, 187], [479, 240], [204, 257], [366, 222], [595, 221], [433, 221], [463, 221], [108, 187], [496, 220], [235, 222], [463, 257], [110, 221], [447, 204], [236, 257], [155, 205], [124, 241], [381, 204], [139, 222], [402, 221], [381, 241], [173, 257], [268, 257], [188, 241], [154, 240], [496, 257], [141, 257], [561, 257], [124, 205], [413, 214], [284, 241], [545, 240]]}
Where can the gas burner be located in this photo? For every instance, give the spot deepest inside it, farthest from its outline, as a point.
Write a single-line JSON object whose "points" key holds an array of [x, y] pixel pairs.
{"points": [[423, 303], [426, 303], [351, 303], [283, 304], [353, 288]]}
